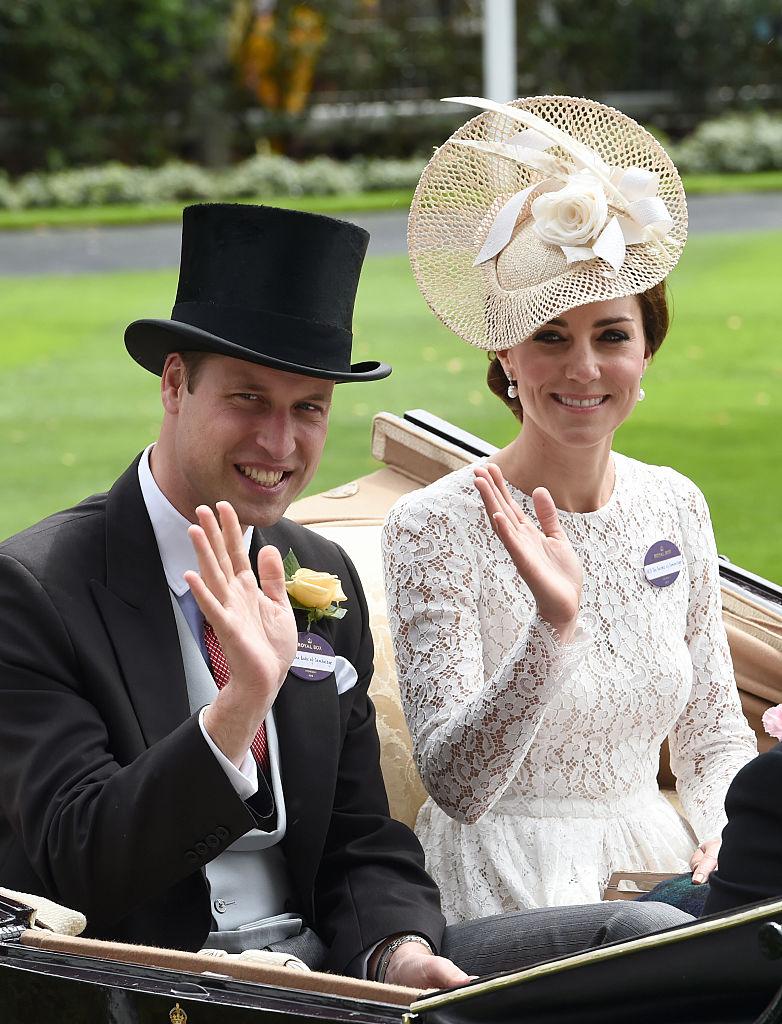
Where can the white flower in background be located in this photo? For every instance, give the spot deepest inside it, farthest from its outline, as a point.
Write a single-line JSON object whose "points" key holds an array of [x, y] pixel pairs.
{"points": [[573, 215]]}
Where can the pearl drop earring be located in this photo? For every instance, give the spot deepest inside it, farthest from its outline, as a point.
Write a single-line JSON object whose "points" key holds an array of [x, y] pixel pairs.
{"points": [[641, 394], [513, 391]]}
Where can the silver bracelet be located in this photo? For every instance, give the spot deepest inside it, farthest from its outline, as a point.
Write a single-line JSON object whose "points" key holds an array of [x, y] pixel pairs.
{"points": [[392, 947]]}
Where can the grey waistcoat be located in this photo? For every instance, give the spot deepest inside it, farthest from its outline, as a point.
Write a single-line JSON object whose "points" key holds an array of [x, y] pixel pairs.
{"points": [[250, 888]]}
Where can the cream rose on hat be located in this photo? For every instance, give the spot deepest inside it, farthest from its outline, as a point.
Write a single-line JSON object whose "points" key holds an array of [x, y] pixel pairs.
{"points": [[538, 206], [573, 216]]}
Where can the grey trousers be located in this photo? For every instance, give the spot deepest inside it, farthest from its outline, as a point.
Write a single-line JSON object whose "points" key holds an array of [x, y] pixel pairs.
{"points": [[510, 942]]}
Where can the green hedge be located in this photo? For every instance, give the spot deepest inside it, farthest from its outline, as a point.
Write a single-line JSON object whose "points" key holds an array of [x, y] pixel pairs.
{"points": [[734, 143], [262, 175]]}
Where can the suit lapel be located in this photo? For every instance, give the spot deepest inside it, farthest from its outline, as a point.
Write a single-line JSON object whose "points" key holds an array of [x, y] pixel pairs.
{"points": [[306, 713], [135, 605], [136, 608]]}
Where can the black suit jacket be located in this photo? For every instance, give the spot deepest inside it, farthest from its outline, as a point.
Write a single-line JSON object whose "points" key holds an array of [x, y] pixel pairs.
{"points": [[750, 858], [110, 799]]}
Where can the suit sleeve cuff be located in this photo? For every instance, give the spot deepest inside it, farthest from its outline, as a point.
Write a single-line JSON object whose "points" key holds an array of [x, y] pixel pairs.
{"points": [[360, 966], [244, 779]]}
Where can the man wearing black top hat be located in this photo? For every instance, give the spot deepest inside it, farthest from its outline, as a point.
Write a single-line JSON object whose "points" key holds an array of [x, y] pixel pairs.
{"points": [[185, 758]]}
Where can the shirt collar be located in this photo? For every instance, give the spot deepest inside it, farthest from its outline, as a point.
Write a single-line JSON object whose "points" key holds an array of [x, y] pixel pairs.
{"points": [[170, 527]]}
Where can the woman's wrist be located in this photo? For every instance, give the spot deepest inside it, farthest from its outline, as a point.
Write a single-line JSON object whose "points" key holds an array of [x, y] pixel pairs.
{"points": [[563, 630]]}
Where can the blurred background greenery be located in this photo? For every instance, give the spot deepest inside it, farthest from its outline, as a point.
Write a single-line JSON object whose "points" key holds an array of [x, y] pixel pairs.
{"points": [[213, 81], [126, 110]]}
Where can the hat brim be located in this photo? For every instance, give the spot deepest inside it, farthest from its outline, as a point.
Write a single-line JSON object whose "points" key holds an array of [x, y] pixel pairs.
{"points": [[150, 341], [497, 303]]}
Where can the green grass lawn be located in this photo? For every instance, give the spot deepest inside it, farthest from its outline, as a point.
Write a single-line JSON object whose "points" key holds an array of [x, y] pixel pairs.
{"points": [[75, 409], [160, 213]]}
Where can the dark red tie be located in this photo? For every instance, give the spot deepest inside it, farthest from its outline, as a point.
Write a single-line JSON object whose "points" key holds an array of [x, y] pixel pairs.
{"points": [[222, 673]]}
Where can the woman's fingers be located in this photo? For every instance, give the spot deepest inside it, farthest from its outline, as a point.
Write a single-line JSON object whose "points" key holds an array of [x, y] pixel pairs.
{"points": [[514, 544], [491, 487], [546, 511], [488, 495], [507, 504]]}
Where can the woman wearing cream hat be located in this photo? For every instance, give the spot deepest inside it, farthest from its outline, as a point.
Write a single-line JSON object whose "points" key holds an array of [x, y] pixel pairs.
{"points": [[556, 609]]}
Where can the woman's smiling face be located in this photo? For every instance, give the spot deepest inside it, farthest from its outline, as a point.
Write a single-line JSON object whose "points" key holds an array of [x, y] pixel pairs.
{"points": [[578, 376]]}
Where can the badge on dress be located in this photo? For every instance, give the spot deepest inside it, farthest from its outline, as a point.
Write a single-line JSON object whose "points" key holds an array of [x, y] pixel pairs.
{"points": [[314, 659], [662, 563]]}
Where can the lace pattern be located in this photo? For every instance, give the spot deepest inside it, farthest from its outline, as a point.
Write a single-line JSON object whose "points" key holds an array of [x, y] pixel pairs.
{"points": [[541, 758]]}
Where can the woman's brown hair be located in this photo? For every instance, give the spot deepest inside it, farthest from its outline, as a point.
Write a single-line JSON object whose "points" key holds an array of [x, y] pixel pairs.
{"points": [[655, 316]]}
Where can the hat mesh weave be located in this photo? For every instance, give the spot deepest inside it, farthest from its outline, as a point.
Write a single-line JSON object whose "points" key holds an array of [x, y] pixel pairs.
{"points": [[501, 302]]}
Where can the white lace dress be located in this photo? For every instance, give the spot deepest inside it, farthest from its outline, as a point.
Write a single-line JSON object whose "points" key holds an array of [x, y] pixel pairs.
{"points": [[540, 758]]}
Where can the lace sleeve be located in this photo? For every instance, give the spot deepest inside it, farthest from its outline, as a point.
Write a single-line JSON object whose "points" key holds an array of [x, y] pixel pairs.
{"points": [[711, 740], [470, 731]]}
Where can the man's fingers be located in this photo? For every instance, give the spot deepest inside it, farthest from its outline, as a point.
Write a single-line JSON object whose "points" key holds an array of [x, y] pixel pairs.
{"points": [[271, 574], [233, 537], [208, 522], [424, 970], [546, 511], [210, 607], [211, 572], [440, 972], [704, 860], [697, 857]]}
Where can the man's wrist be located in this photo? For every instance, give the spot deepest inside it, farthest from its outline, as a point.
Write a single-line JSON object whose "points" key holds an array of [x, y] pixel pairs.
{"points": [[244, 776], [232, 725], [386, 952]]}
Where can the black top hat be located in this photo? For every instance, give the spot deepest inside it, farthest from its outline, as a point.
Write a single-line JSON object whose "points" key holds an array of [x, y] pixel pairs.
{"points": [[271, 286]]}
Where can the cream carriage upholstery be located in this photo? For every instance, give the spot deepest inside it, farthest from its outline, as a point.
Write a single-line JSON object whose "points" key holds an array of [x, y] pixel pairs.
{"points": [[353, 514]]}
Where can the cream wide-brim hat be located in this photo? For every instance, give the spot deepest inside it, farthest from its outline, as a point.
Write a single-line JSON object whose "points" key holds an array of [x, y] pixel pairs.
{"points": [[501, 301]]}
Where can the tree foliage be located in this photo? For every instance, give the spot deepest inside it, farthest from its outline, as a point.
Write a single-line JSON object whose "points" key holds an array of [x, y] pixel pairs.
{"points": [[144, 80], [129, 79], [707, 53]]}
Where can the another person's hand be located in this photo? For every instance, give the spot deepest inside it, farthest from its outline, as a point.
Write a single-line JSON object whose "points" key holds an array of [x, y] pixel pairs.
{"points": [[704, 860], [544, 557], [415, 966], [256, 627]]}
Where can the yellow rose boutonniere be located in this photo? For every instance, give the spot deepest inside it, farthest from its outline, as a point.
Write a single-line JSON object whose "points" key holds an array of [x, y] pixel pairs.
{"points": [[316, 593]]}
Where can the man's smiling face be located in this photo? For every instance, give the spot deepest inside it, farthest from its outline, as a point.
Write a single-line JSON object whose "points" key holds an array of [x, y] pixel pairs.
{"points": [[245, 433]]}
